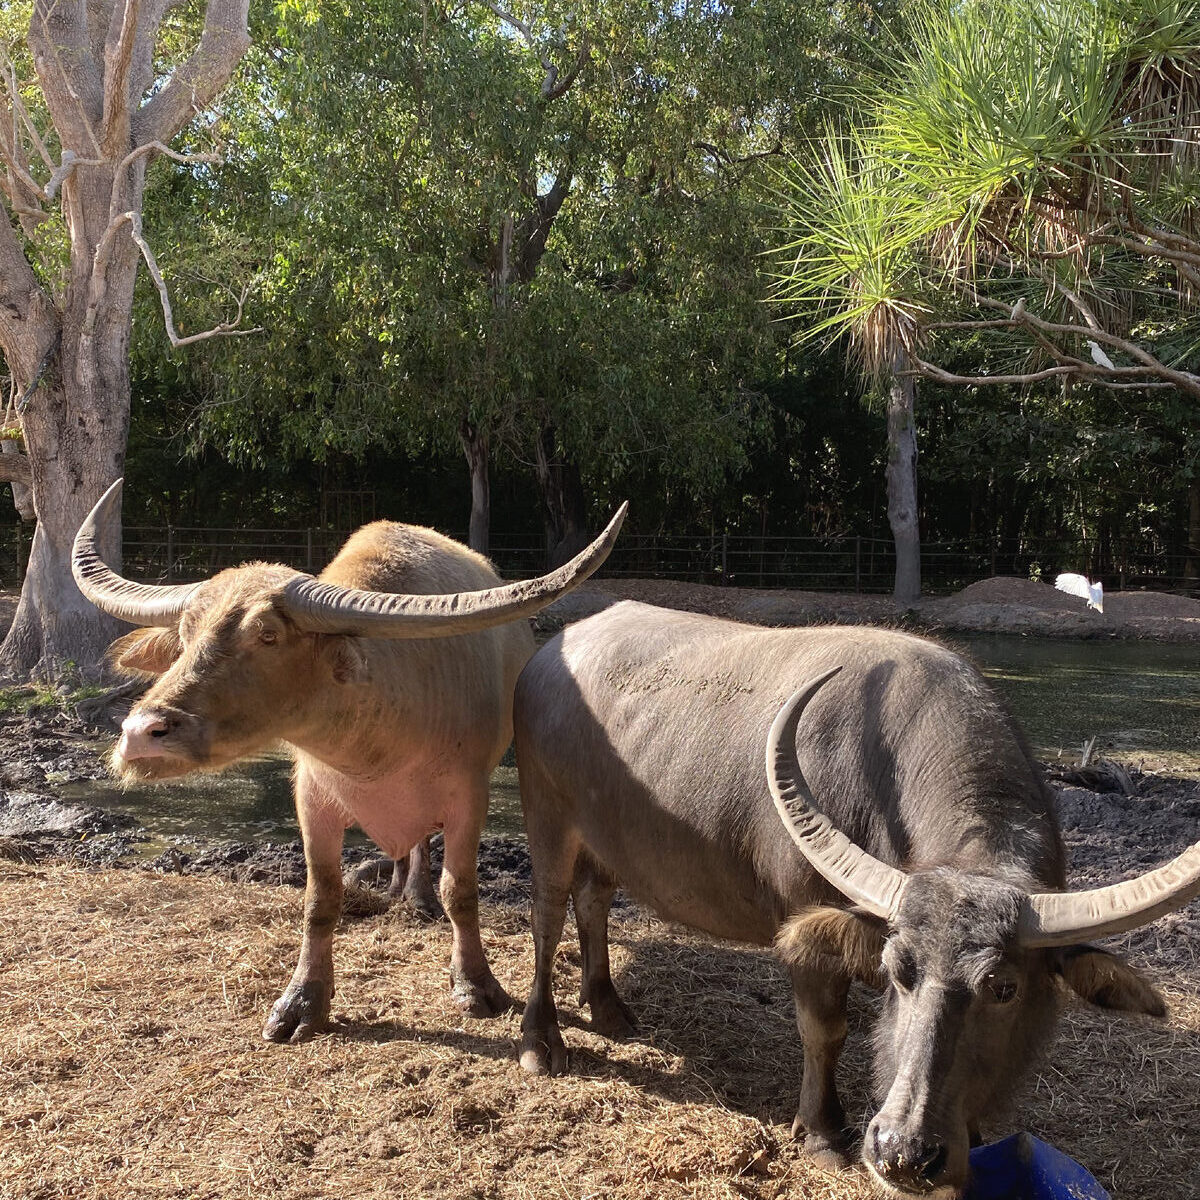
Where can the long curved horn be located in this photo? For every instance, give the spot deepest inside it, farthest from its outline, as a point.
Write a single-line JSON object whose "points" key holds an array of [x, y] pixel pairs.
{"points": [[1063, 918], [874, 885], [137, 603], [326, 608]]}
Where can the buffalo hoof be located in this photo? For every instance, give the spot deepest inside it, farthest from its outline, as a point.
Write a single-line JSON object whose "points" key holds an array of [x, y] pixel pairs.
{"points": [[299, 1014], [543, 1052], [424, 908], [485, 998], [611, 1017], [828, 1151]]}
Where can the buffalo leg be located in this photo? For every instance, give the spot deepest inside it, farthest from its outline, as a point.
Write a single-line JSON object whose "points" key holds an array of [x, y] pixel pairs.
{"points": [[475, 988], [821, 1019], [552, 852], [592, 894], [412, 882], [303, 1009]]}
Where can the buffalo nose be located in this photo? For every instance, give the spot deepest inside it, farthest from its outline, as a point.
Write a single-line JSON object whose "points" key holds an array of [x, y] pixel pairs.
{"points": [[911, 1162], [142, 734]]}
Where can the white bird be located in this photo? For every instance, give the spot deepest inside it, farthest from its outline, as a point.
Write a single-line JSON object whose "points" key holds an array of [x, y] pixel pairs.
{"points": [[1100, 358], [1079, 585]]}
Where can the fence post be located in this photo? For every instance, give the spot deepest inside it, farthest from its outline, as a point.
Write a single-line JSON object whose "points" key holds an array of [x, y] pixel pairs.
{"points": [[858, 562], [170, 552], [308, 557], [725, 557]]}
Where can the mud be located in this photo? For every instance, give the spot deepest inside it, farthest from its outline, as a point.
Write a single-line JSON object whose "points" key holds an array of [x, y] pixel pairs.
{"points": [[1123, 821]]}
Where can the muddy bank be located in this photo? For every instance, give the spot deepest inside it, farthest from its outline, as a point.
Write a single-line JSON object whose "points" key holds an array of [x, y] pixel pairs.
{"points": [[1116, 822], [1000, 605]]}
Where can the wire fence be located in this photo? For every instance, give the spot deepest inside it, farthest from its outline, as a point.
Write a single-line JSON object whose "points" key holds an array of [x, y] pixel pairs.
{"points": [[850, 564]]}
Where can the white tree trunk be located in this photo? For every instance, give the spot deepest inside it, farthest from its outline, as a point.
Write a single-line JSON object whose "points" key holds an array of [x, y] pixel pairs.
{"points": [[475, 447], [67, 344]]}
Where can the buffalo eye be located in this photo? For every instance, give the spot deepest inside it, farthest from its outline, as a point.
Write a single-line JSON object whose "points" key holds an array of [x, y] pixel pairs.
{"points": [[268, 637], [903, 971], [999, 989]]}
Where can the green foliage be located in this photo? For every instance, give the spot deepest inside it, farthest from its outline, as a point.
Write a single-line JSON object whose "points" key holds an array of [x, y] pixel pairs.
{"points": [[375, 153], [1014, 153]]}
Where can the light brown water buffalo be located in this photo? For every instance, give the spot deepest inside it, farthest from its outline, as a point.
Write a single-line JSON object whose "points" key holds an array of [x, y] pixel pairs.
{"points": [[389, 678], [900, 834]]}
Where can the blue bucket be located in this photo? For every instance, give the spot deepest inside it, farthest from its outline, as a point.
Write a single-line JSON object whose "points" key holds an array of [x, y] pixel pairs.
{"points": [[1022, 1167]]}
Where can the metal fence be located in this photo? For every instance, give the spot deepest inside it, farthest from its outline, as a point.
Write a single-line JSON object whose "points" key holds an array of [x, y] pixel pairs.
{"points": [[850, 564]]}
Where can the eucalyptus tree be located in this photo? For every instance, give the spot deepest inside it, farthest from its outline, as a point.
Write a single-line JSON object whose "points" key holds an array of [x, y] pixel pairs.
{"points": [[526, 230], [90, 95], [1024, 176]]}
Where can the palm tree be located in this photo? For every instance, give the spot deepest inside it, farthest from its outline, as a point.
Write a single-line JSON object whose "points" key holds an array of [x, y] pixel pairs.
{"points": [[1027, 175]]}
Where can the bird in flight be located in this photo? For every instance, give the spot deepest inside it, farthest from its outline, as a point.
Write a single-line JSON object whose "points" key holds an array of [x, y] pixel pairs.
{"points": [[1079, 585]]}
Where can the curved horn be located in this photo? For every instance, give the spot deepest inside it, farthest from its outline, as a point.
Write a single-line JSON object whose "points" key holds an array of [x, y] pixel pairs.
{"points": [[874, 885], [137, 603], [326, 608], [1063, 918]]}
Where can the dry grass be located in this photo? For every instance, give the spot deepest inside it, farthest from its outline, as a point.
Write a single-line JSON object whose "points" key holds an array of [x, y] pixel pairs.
{"points": [[130, 1064]]}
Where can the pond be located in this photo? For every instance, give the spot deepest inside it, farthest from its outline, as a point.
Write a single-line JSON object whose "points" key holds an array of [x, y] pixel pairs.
{"points": [[1140, 700]]}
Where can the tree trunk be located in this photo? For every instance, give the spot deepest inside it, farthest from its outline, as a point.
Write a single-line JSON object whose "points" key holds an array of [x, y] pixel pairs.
{"points": [[475, 447], [1191, 570], [78, 443], [564, 503], [66, 339], [902, 488]]}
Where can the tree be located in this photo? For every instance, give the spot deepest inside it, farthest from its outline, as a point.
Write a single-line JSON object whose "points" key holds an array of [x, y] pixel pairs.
{"points": [[114, 86], [1026, 176], [528, 233]]}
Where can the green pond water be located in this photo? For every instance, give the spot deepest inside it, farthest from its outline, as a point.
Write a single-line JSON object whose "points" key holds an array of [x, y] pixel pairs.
{"points": [[1140, 700]]}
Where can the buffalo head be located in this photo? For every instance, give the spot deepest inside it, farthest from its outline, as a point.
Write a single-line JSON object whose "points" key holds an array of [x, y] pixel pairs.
{"points": [[258, 653], [970, 961]]}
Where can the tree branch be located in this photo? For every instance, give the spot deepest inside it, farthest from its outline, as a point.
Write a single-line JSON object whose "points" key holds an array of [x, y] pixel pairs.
{"points": [[551, 90], [552, 86], [224, 329], [1091, 373], [14, 466], [195, 83], [24, 306], [118, 58], [69, 74], [154, 147]]}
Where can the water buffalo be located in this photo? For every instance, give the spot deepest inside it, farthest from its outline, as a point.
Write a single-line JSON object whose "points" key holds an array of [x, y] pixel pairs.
{"points": [[389, 679], [930, 863]]}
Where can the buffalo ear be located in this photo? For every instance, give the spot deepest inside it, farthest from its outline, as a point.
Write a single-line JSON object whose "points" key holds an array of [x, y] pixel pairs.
{"points": [[146, 652], [831, 938], [1103, 979], [348, 662]]}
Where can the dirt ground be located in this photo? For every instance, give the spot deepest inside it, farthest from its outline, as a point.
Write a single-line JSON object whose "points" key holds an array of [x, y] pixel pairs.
{"points": [[1002, 604], [131, 1002], [131, 1063]]}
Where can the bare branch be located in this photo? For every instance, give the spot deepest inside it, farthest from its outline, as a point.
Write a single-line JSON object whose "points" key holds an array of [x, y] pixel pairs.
{"points": [[552, 86], [224, 329], [25, 308], [1081, 370], [195, 83], [154, 147], [8, 76]]}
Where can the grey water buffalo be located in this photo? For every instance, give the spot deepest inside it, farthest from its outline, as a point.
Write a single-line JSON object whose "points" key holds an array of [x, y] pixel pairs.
{"points": [[887, 825], [389, 678]]}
